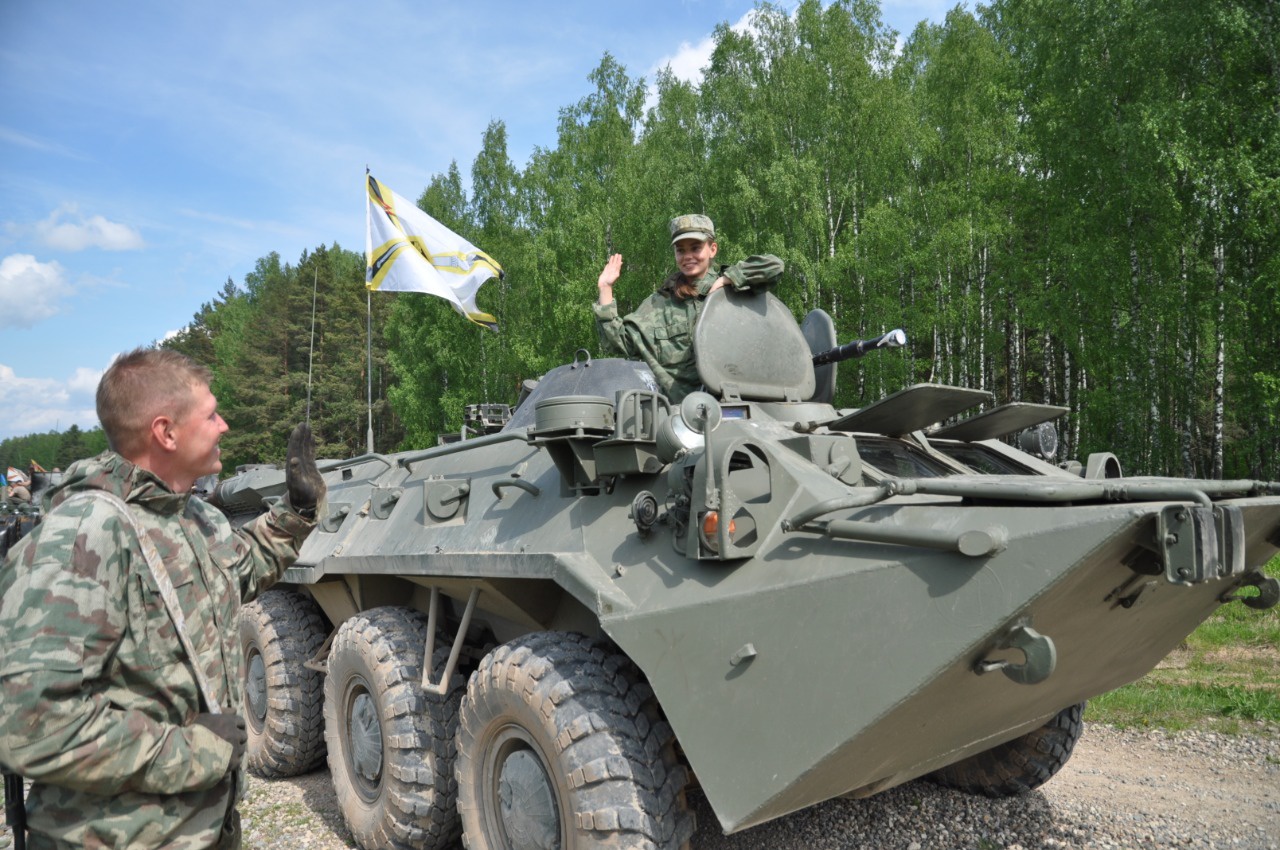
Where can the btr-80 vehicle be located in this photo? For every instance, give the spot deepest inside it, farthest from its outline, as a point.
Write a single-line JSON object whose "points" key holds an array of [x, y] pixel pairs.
{"points": [[541, 637], [20, 506]]}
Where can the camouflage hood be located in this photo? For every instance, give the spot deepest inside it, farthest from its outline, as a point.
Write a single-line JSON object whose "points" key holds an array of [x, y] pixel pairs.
{"points": [[120, 477]]}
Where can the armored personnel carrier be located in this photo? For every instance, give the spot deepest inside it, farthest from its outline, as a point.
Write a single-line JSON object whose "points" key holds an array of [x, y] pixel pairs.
{"points": [[16, 519], [540, 637], [20, 507]]}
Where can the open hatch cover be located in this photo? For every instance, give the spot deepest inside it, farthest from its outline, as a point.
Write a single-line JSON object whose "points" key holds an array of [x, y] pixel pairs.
{"points": [[912, 409], [749, 346]]}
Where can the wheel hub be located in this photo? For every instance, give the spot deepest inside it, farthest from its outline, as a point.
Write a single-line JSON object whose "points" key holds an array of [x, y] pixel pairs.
{"points": [[526, 803], [366, 739], [255, 688]]}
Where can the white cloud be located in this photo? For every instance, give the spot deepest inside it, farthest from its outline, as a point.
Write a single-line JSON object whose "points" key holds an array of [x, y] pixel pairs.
{"points": [[39, 405], [30, 291], [93, 232], [689, 60], [85, 380], [12, 387]]}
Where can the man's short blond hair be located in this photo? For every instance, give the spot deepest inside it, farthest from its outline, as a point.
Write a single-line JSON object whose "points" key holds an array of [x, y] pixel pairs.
{"points": [[141, 385]]}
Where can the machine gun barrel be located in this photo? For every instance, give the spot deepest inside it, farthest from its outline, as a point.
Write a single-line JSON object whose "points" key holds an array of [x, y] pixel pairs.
{"points": [[893, 339]]}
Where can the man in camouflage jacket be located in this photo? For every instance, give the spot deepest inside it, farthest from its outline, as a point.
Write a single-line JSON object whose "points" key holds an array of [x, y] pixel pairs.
{"points": [[660, 331], [99, 706]]}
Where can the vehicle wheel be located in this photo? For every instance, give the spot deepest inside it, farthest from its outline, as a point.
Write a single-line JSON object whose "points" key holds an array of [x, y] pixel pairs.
{"points": [[1021, 765], [390, 743], [283, 700], [561, 745]]}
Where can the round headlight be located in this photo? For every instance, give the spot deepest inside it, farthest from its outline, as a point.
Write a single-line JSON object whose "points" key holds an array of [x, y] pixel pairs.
{"points": [[1041, 440]]}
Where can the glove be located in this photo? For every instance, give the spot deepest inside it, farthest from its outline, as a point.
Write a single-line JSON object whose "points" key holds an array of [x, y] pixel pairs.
{"points": [[301, 477], [229, 726]]}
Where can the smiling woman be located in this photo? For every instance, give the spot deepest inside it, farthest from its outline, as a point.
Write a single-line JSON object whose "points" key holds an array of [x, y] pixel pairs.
{"points": [[660, 331]]}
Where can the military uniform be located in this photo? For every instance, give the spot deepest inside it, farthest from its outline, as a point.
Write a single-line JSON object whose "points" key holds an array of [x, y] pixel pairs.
{"points": [[18, 493], [660, 331], [97, 696]]}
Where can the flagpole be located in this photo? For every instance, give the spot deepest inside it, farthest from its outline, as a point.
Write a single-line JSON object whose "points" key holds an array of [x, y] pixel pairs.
{"points": [[368, 312], [368, 335]]}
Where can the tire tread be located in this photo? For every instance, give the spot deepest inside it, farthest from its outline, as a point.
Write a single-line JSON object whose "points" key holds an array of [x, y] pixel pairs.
{"points": [[1018, 766], [417, 807], [289, 628], [618, 756]]}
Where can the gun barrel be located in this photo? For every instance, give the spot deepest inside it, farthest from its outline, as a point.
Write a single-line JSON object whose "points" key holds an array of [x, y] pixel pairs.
{"points": [[858, 347]]}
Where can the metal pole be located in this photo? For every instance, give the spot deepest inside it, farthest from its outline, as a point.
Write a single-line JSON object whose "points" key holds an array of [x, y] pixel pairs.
{"points": [[311, 356], [369, 368]]}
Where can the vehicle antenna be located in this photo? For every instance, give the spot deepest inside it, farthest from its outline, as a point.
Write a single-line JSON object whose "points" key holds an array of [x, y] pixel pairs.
{"points": [[311, 355]]}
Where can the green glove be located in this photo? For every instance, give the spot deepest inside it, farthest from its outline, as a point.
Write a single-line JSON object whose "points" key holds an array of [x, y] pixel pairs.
{"points": [[301, 477]]}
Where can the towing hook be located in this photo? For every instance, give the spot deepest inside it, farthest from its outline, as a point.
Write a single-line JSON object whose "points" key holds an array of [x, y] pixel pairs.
{"points": [[1268, 594], [1041, 656]]}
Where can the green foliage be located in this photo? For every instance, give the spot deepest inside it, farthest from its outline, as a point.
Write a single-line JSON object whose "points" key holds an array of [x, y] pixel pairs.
{"points": [[1151, 703], [51, 450]]}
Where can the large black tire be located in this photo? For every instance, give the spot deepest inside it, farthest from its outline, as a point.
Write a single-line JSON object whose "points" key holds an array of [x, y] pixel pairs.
{"points": [[561, 745], [284, 700], [391, 744], [1021, 765]]}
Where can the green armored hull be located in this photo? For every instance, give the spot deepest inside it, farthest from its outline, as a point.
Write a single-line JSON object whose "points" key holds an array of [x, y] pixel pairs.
{"points": [[778, 600]]}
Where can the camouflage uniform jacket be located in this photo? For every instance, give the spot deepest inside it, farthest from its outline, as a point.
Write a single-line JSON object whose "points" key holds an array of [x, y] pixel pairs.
{"points": [[660, 331], [97, 696]]}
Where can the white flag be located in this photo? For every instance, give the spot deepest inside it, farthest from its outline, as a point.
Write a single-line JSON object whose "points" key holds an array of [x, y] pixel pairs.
{"points": [[407, 250]]}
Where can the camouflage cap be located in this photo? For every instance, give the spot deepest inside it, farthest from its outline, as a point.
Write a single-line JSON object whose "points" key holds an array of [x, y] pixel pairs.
{"points": [[692, 227]]}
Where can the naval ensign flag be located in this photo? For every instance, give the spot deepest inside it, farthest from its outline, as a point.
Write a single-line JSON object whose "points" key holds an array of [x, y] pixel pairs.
{"points": [[407, 250]]}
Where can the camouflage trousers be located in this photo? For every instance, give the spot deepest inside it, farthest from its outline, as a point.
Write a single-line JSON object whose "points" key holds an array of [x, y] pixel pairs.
{"points": [[230, 837]]}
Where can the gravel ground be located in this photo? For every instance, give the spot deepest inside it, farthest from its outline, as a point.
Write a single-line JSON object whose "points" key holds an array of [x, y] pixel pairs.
{"points": [[1121, 789]]}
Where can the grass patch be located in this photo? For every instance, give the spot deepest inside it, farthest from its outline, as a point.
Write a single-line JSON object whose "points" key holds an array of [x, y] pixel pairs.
{"points": [[1225, 676]]}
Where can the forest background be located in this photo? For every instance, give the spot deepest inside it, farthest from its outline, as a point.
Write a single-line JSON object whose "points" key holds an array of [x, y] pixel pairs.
{"points": [[1074, 202]]}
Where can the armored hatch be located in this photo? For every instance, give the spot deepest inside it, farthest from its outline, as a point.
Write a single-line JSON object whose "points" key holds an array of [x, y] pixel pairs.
{"points": [[748, 346]]}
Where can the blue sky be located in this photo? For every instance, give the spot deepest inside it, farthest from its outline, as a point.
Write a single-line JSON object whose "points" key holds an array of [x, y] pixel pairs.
{"points": [[149, 151]]}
